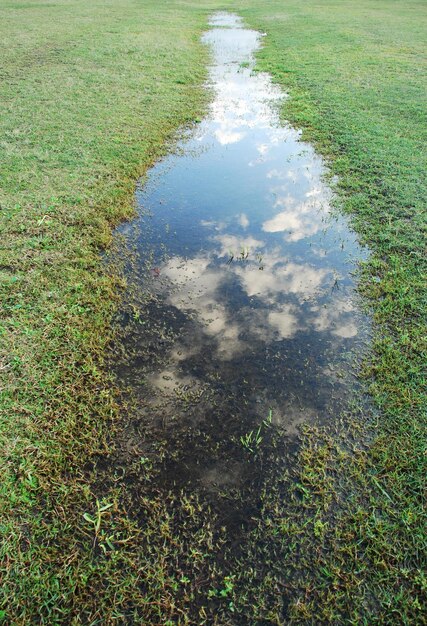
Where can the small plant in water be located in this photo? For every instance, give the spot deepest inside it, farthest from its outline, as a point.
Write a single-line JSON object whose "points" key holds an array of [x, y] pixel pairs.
{"points": [[242, 256], [244, 253], [252, 440]]}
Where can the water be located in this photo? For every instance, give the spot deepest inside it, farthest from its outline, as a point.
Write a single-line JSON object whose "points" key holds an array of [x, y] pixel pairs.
{"points": [[248, 323]]}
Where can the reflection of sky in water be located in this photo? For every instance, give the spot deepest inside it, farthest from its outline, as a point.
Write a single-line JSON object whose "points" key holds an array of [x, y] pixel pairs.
{"points": [[245, 247]]}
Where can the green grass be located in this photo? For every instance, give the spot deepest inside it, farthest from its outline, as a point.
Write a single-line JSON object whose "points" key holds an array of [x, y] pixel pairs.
{"points": [[356, 74], [91, 95]]}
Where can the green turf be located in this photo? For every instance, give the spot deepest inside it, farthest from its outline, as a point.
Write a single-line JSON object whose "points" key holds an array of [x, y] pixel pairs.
{"points": [[91, 93], [356, 73]]}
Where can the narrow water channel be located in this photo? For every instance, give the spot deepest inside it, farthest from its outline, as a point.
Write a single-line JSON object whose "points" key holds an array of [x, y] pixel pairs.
{"points": [[247, 320]]}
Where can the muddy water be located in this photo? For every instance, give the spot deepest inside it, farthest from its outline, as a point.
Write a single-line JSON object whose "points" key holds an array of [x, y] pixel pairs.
{"points": [[245, 320]]}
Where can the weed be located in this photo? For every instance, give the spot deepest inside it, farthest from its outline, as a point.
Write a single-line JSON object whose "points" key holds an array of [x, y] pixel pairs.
{"points": [[253, 439], [96, 519]]}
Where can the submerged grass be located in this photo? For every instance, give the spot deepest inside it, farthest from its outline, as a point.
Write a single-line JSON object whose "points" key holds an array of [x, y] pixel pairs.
{"points": [[91, 92]]}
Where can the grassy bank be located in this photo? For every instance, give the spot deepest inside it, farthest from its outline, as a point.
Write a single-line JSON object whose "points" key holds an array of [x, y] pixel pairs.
{"points": [[91, 93], [357, 77]]}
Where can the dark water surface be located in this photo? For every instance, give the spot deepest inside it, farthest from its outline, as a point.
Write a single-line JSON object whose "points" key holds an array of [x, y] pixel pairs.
{"points": [[248, 320]]}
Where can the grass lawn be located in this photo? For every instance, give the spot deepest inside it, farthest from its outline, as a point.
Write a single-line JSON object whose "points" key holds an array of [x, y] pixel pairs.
{"points": [[91, 91], [357, 76], [91, 95]]}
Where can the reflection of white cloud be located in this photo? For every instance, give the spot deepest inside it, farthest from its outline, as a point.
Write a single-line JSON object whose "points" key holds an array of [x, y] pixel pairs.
{"points": [[196, 287], [345, 330], [231, 244], [268, 324], [237, 108], [301, 220], [302, 280], [316, 191], [284, 321], [285, 174], [213, 224], [243, 220], [287, 201], [241, 104], [192, 272], [298, 226], [226, 333], [226, 137], [282, 221], [337, 318]]}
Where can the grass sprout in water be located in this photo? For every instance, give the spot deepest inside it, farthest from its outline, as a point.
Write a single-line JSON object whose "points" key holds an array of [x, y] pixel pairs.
{"points": [[253, 439]]}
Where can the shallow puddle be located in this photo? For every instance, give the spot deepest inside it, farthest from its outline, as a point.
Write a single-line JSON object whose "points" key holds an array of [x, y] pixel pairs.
{"points": [[248, 321]]}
